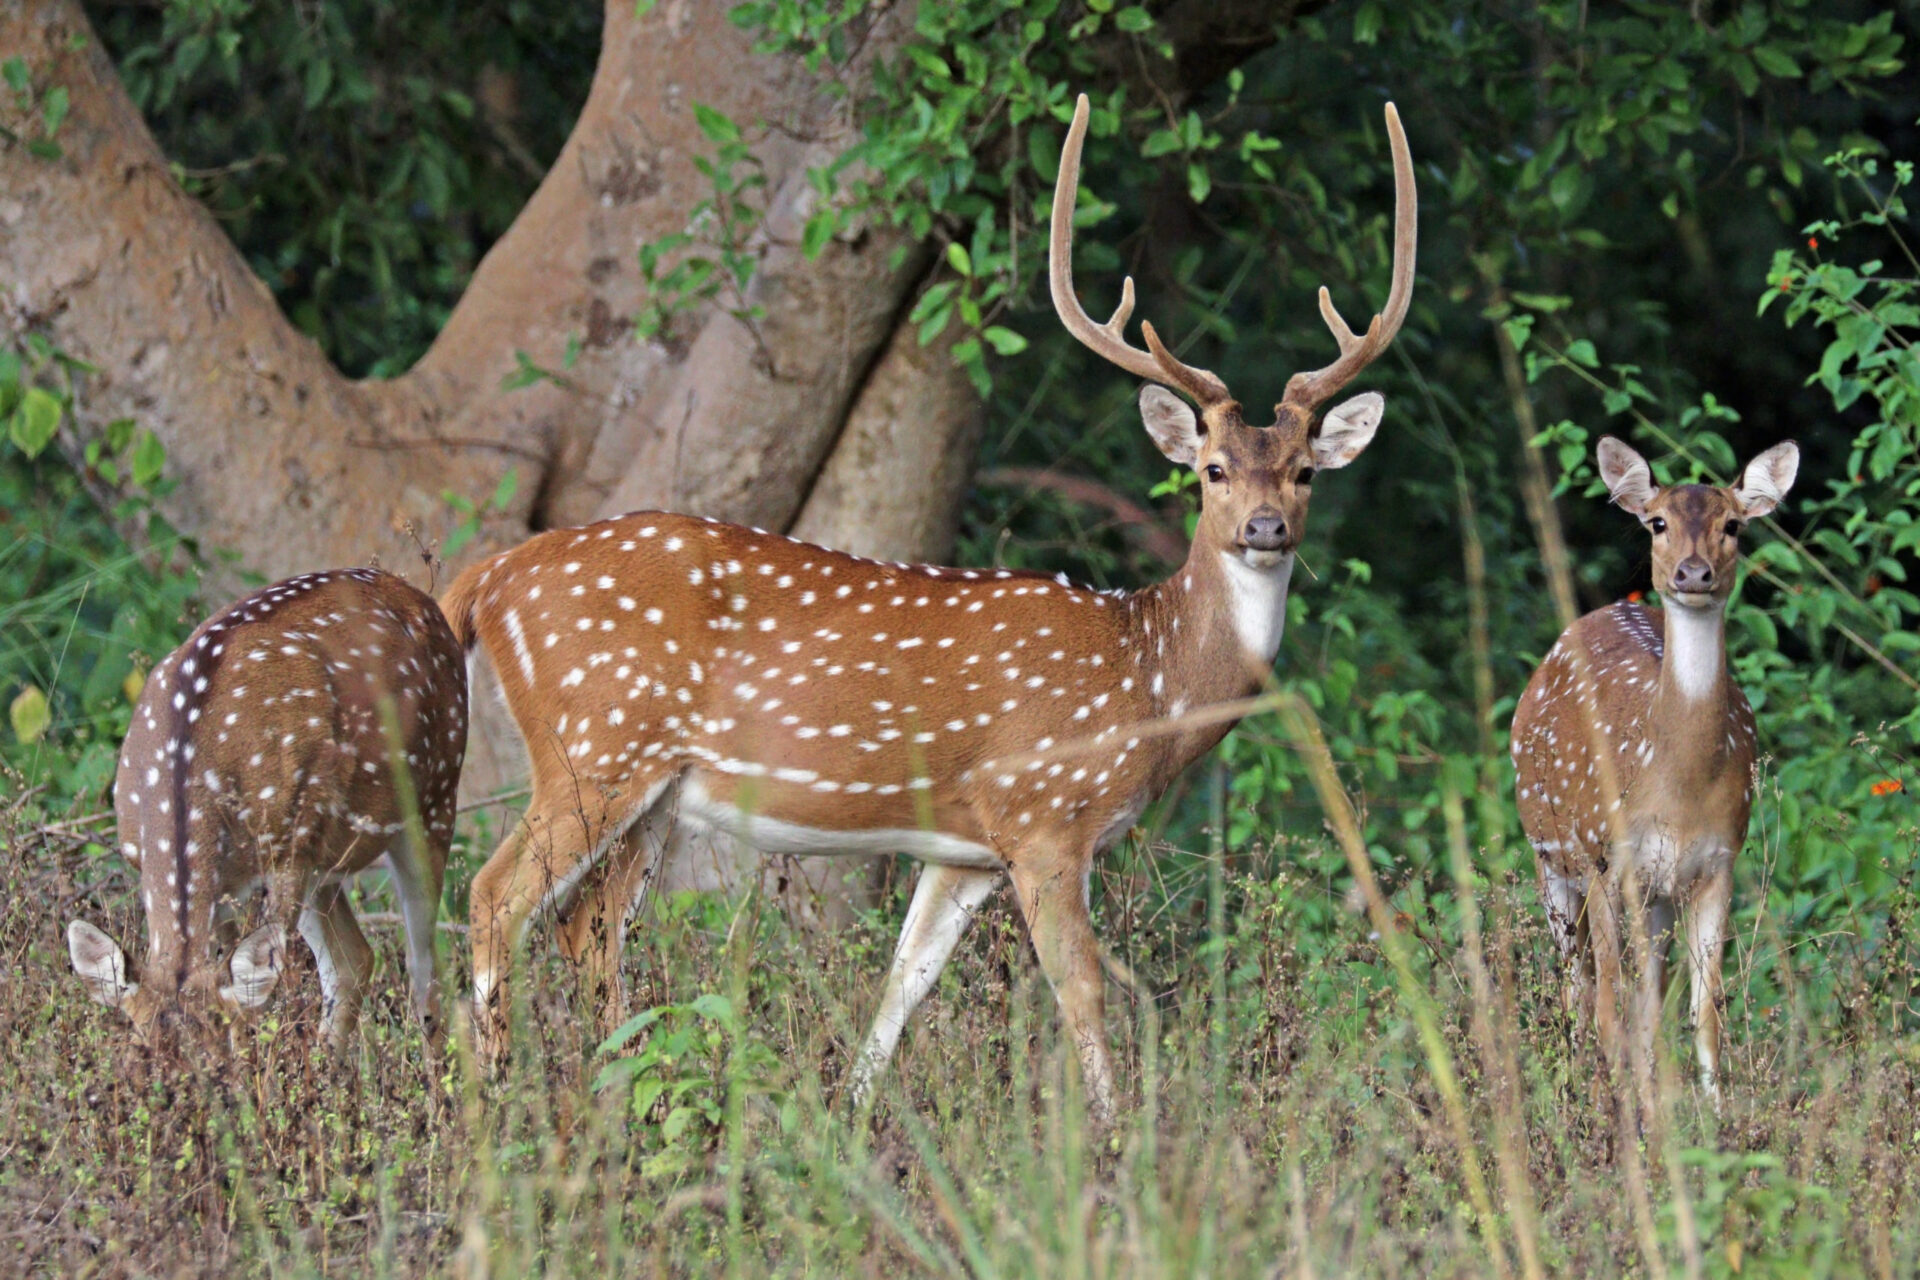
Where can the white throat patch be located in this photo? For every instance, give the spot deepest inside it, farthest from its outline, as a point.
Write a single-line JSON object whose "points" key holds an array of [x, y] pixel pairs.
{"points": [[1258, 601], [1696, 648]]}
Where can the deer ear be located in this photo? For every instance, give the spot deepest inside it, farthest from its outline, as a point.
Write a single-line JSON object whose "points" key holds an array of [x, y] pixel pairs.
{"points": [[100, 963], [1764, 484], [1628, 477], [1171, 424], [256, 966], [1346, 429]]}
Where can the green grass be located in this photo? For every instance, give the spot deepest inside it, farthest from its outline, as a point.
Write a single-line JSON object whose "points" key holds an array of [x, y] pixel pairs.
{"points": [[1315, 1142]]}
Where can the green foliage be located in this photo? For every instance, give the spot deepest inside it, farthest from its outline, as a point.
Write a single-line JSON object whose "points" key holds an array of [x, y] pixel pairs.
{"points": [[679, 1077], [364, 155], [36, 112], [81, 617], [712, 258]]}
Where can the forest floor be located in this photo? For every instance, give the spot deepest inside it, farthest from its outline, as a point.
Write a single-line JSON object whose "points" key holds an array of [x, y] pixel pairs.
{"points": [[1285, 1114]]}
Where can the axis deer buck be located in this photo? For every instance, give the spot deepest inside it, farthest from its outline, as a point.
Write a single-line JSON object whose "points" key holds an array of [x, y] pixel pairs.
{"points": [[259, 752], [987, 722], [1634, 753]]}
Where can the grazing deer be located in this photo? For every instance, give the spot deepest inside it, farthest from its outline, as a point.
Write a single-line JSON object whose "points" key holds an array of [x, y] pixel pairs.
{"points": [[1634, 753], [987, 722], [259, 752]]}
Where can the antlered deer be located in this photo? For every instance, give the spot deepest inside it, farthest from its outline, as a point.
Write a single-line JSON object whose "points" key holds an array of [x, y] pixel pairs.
{"points": [[1634, 753], [259, 752], [986, 722]]}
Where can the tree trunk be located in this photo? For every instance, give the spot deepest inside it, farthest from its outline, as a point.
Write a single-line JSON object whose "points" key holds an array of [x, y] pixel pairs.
{"points": [[823, 416]]}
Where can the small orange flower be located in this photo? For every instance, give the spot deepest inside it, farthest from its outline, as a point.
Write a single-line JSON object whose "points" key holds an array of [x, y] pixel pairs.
{"points": [[1887, 786], [1635, 597], [1813, 242], [1786, 283]]}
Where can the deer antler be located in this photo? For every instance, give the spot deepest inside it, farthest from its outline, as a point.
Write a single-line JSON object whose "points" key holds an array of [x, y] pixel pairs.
{"points": [[1108, 340], [1358, 351]]}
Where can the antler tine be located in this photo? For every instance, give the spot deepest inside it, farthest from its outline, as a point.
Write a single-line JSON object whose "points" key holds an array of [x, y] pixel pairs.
{"points": [[1342, 334], [1117, 324], [1108, 340], [1359, 351]]}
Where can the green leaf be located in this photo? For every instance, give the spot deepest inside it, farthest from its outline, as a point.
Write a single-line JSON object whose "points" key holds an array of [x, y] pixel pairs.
{"points": [[1161, 142], [819, 230], [30, 714], [54, 111], [715, 1006], [1564, 190], [959, 259], [934, 299], [1581, 351], [630, 1028], [1132, 20], [1004, 341], [1199, 182], [715, 124], [149, 458], [319, 79], [15, 72], [1776, 61], [504, 491], [35, 421]]}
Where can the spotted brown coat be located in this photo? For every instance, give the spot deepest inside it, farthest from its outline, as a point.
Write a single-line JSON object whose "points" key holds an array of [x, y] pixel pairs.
{"points": [[986, 722], [258, 752], [1634, 754]]}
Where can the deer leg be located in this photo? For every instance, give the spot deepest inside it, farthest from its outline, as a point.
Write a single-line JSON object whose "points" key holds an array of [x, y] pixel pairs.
{"points": [[341, 954], [418, 877], [543, 861], [592, 930], [1652, 933], [1603, 931], [944, 903], [1565, 898], [1706, 921], [1053, 897]]}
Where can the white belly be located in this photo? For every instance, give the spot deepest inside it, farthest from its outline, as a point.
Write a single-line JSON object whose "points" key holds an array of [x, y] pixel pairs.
{"points": [[770, 835]]}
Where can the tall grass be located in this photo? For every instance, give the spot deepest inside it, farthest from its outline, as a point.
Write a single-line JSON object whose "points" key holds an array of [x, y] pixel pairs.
{"points": [[1320, 1139]]}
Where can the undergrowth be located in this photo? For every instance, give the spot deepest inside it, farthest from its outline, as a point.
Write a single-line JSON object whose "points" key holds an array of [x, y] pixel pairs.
{"points": [[1284, 1116]]}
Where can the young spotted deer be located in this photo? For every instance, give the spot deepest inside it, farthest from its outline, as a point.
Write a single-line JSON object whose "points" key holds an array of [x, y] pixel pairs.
{"points": [[259, 752], [1634, 753], [987, 722]]}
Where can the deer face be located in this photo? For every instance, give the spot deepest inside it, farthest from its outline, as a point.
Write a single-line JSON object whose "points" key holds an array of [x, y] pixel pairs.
{"points": [[1255, 482], [164, 1005], [1696, 527]]}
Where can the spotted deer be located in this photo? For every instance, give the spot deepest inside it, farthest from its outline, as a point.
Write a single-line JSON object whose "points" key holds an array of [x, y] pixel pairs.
{"points": [[259, 753], [1634, 753], [989, 723]]}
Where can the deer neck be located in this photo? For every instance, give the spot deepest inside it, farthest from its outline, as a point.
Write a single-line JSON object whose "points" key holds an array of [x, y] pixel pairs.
{"points": [[1690, 701], [1210, 633]]}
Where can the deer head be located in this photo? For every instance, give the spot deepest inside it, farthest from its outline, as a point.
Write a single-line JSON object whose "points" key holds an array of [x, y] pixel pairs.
{"points": [[1696, 527], [1256, 481], [243, 982]]}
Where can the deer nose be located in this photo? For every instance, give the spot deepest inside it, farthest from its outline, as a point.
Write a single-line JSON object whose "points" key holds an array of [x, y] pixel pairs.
{"points": [[1693, 574], [1266, 530]]}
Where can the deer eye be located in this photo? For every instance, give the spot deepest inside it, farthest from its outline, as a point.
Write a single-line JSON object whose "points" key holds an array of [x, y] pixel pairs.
{"points": [[1305, 476], [1215, 474], [1733, 528], [1658, 525]]}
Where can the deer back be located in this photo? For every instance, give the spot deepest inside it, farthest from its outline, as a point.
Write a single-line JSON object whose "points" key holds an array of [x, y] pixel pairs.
{"points": [[260, 743], [823, 690]]}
